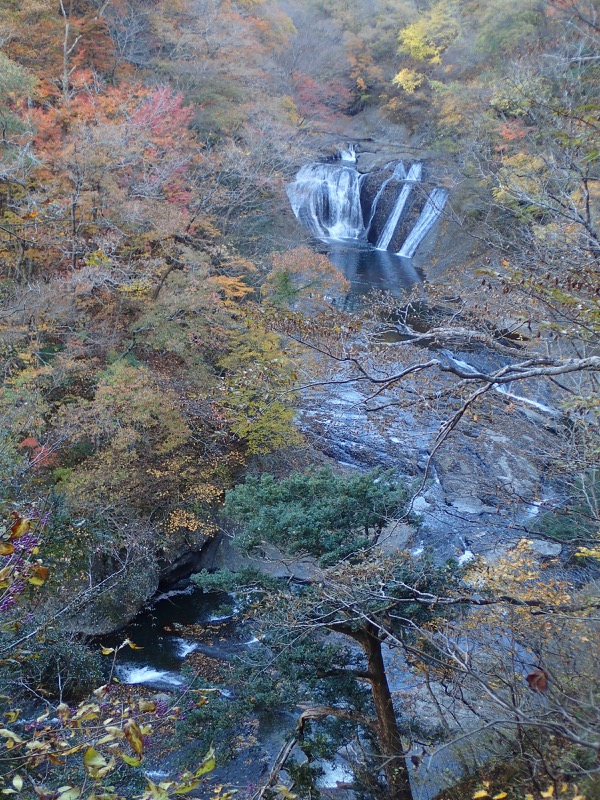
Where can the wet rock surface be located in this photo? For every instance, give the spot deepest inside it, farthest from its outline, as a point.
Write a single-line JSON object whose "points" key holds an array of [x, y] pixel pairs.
{"points": [[482, 486]]}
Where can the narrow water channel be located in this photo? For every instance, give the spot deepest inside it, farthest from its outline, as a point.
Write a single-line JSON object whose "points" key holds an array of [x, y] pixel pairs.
{"points": [[176, 624]]}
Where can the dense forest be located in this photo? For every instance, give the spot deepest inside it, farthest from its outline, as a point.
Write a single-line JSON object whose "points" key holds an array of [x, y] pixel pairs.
{"points": [[391, 498]]}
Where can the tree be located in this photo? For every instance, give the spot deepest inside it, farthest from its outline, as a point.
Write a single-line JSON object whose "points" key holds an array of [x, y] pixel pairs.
{"points": [[497, 658], [320, 514], [316, 512], [302, 279]]}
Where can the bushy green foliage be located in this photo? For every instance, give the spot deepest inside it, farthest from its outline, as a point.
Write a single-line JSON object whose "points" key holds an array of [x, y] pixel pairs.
{"points": [[578, 519], [62, 667], [316, 512]]}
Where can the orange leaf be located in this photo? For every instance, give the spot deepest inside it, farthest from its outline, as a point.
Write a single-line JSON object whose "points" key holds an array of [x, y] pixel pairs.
{"points": [[134, 736], [39, 576], [6, 549], [538, 681], [19, 527]]}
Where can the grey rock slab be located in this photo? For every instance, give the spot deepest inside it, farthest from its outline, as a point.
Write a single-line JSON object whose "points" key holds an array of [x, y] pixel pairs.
{"points": [[544, 548]]}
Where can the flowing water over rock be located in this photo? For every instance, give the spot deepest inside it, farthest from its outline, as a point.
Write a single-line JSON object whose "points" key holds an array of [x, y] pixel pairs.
{"points": [[330, 200], [326, 199], [430, 213], [177, 624], [412, 177]]}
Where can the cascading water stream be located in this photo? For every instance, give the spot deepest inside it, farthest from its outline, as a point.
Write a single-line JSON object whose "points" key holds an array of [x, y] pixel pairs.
{"points": [[326, 199], [504, 388], [349, 154], [398, 174], [414, 175], [431, 211]]}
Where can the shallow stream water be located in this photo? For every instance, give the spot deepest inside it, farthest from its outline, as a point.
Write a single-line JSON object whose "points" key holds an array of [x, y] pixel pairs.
{"points": [[176, 624]]}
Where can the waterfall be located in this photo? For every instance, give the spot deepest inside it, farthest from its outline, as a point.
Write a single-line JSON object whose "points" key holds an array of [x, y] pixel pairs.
{"points": [[398, 174], [431, 211], [326, 199], [349, 154], [414, 174]]}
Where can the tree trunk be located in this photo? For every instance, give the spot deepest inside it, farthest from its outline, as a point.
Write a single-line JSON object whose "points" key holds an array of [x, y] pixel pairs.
{"points": [[390, 741]]}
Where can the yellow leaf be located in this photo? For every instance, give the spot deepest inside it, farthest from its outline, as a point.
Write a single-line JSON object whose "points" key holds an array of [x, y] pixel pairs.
{"points": [[208, 763], [18, 782], [6, 549], [114, 730], [480, 793], [184, 788], [499, 796], [133, 762], [72, 793], [285, 792], [134, 736], [110, 737], [101, 773], [579, 797], [39, 577], [93, 761], [147, 705], [72, 750], [549, 792], [37, 745], [20, 527], [131, 644], [155, 792], [6, 576], [13, 716], [106, 651], [10, 735]]}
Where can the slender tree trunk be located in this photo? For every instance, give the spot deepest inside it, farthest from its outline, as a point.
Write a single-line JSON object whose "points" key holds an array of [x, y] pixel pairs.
{"points": [[390, 741]]}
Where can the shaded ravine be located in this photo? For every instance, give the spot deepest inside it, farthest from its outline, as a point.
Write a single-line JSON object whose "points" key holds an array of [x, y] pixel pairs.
{"points": [[457, 514]]}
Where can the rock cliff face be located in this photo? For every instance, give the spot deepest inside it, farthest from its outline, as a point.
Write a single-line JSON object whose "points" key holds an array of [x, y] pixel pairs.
{"points": [[126, 581]]}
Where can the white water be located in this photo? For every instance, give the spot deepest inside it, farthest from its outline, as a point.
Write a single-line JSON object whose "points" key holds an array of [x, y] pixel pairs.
{"points": [[503, 388], [431, 211], [414, 175], [349, 154], [326, 199], [130, 675], [334, 773], [183, 647], [174, 593], [399, 174]]}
